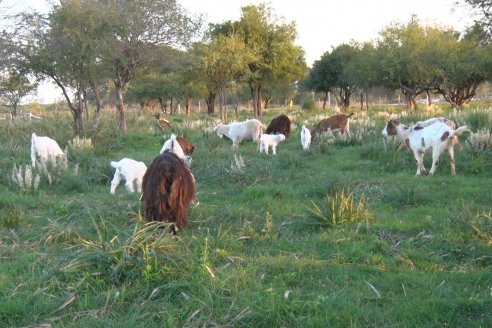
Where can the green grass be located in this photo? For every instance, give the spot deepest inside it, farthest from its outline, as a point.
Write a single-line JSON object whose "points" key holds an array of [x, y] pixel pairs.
{"points": [[340, 235]]}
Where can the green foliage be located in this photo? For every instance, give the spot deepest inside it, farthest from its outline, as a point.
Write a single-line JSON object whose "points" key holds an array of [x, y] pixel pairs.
{"points": [[308, 103]]}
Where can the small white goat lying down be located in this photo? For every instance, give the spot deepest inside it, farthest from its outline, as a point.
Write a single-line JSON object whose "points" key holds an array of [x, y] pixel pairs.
{"points": [[173, 146], [305, 138], [437, 136], [270, 140], [47, 149], [239, 131], [129, 170]]}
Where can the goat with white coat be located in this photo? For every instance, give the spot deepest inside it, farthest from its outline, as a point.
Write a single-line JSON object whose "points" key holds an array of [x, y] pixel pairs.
{"points": [[239, 131], [305, 138], [437, 136], [270, 140], [47, 150], [129, 170]]}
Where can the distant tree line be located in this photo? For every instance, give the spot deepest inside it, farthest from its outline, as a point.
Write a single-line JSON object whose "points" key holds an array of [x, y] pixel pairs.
{"points": [[153, 52]]}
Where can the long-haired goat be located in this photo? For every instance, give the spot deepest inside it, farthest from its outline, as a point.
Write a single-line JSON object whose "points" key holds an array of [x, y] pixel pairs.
{"points": [[437, 136], [239, 131], [129, 170], [168, 189], [47, 150], [280, 124], [336, 122]]}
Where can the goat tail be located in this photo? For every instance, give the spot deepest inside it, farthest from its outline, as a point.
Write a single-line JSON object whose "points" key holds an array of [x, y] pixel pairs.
{"points": [[349, 115], [114, 164], [460, 130]]}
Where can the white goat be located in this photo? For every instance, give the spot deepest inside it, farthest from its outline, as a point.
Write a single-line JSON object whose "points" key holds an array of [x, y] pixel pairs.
{"points": [[430, 121], [438, 137], [305, 138], [129, 170], [270, 140], [47, 149], [239, 131]]}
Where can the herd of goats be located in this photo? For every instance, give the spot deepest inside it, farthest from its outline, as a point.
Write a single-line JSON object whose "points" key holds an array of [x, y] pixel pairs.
{"points": [[168, 187]]}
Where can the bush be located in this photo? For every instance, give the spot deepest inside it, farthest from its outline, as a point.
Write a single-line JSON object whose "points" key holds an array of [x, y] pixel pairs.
{"points": [[308, 103]]}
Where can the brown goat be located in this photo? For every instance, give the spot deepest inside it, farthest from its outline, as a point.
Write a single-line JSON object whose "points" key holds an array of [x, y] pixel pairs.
{"points": [[188, 148], [335, 122], [168, 188], [280, 124]]}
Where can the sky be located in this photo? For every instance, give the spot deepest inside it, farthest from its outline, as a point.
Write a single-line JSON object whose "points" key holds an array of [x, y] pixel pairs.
{"points": [[321, 24]]}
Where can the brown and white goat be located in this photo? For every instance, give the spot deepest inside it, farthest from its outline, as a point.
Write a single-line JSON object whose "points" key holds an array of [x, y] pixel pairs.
{"points": [[336, 122], [437, 136], [280, 124]]}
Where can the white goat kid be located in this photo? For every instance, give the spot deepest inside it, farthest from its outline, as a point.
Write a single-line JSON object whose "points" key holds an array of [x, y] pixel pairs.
{"points": [[239, 131], [305, 138], [129, 170], [47, 150], [437, 136], [270, 140]]}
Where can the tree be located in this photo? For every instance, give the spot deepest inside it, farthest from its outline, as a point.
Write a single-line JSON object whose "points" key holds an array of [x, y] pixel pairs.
{"points": [[13, 88], [224, 60], [401, 52], [483, 9], [463, 65], [141, 26], [276, 58], [63, 46], [363, 70], [15, 82]]}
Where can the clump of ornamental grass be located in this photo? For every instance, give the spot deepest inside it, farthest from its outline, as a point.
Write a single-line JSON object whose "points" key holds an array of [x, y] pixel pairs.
{"points": [[80, 143], [339, 208], [480, 141], [149, 251], [25, 178]]}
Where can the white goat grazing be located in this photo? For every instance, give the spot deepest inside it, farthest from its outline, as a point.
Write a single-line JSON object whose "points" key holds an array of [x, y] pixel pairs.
{"points": [[270, 140], [437, 136], [430, 121], [47, 149], [129, 170], [239, 131], [305, 138]]}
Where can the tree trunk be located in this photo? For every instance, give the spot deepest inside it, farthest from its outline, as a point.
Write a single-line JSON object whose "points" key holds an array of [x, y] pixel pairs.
{"points": [[267, 101], [367, 100], [361, 101], [325, 99], [210, 100], [120, 106], [97, 97], [188, 106], [259, 111], [14, 109]]}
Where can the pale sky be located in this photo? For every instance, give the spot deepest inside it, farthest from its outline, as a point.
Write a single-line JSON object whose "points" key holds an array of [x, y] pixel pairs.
{"points": [[321, 24]]}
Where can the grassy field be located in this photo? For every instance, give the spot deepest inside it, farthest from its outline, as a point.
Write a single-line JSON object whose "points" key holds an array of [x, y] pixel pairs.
{"points": [[341, 235]]}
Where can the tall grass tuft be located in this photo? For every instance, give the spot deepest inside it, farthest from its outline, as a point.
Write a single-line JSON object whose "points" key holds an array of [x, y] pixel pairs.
{"points": [[480, 141], [340, 208], [147, 252], [11, 219]]}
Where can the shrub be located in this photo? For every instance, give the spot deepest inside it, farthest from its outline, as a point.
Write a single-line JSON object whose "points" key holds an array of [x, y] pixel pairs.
{"points": [[308, 103]]}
